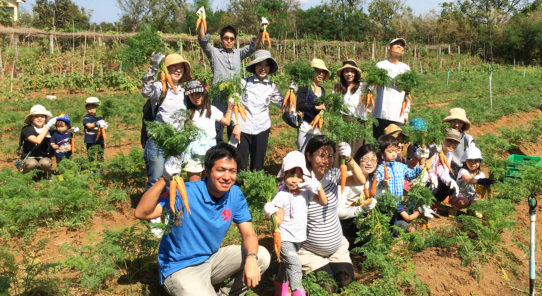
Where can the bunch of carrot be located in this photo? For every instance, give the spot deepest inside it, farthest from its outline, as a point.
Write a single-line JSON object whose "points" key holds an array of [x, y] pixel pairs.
{"points": [[101, 133], [290, 101], [318, 121], [177, 184], [265, 35], [369, 194], [369, 100], [406, 101], [165, 79], [201, 21], [386, 175], [444, 160], [72, 143], [239, 109]]}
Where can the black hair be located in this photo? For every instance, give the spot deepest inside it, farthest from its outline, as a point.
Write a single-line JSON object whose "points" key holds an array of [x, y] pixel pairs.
{"points": [[230, 29], [362, 151], [316, 143], [343, 86], [220, 151], [206, 105], [384, 142]]}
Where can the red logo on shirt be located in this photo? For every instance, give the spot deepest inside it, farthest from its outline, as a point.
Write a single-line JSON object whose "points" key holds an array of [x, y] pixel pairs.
{"points": [[226, 215]]}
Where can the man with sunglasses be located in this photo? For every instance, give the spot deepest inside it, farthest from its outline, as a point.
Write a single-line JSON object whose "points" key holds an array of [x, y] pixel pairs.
{"points": [[225, 60]]}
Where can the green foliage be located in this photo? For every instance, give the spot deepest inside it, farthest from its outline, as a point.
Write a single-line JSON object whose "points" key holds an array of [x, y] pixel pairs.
{"points": [[407, 81], [172, 141], [137, 49], [258, 188], [6, 18], [377, 77], [436, 130], [224, 90], [419, 195], [300, 71], [318, 283], [61, 14]]}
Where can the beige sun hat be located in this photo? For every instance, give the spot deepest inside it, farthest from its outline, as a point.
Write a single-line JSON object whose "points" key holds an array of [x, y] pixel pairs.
{"points": [[37, 110], [349, 64], [294, 159], [453, 135], [459, 114], [319, 64], [393, 130], [176, 58]]}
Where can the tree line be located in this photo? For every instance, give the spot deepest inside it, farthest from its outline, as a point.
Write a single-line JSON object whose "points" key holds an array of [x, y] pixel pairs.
{"points": [[500, 31]]}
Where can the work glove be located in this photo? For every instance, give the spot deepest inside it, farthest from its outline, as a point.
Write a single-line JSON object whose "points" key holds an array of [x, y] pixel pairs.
{"points": [[311, 185], [101, 123], [293, 86], [201, 12], [485, 182], [422, 153], [172, 167], [51, 122], [371, 205], [426, 211], [156, 59], [434, 181], [263, 23], [454, 187], [344, 149], [75, 130], [269, 209]]}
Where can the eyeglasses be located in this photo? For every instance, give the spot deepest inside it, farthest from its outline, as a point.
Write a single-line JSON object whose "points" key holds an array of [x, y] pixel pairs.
{"points": [[368, 160], [325, 156], [228, 38]]}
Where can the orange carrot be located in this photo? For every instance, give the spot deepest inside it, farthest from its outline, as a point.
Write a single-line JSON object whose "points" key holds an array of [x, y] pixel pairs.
{"points": [[315, 120], [293, 99], [344, 172], [403, 106], [204, 21], [422, 162], [103, 135], [321, 122], [268, 39], [163, 80], [235, 112], [366, 192], [366, 202], [182, 191], [73, 144], [363, 97], [373, 187], [172, 194], [442, 158], [286, 101], [277, 243], [386, 174], [243, 112]]}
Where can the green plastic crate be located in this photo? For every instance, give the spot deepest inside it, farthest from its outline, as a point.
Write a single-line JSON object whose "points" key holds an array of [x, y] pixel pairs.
{"points": [[515, 161]]}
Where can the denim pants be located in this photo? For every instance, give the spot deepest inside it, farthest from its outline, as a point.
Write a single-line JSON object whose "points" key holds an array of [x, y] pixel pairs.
{"points": [[154, 162]]}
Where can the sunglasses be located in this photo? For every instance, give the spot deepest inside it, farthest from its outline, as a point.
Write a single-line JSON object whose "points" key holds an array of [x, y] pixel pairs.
{"points": [[228, 38]]}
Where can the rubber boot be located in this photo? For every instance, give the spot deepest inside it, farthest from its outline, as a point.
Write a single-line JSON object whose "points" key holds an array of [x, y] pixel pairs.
{"points": [[300, 292], [281, 289]]}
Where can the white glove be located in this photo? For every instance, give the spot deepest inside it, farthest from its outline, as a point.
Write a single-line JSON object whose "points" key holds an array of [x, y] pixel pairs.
{"points": [[75, 130], [422, 153], [454, 187], [434, 182], [371, 205], [156, 59], [172, 167], [293, 86], [100, 123], [51, 122], [311, 185], [344, 149], [201, 12], [263, 23], [231, 100], [426, 211], [270, 209]]}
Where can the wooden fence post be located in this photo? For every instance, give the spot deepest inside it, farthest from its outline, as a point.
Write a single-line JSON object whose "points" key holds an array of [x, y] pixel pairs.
{"points": [[373, 51], [16, 45]]}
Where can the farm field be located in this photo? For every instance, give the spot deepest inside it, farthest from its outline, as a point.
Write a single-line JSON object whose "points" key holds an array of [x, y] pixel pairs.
{"points": [[76, 234]]}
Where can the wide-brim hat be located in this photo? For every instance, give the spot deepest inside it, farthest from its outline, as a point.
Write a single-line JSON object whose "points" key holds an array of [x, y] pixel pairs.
{"points": [[176, 58], [319, 64], [294, 159], [349, 64], [393, 130], [459, 114], [402, 40], [472, 153], [453, 135], [37, 110], [260, 56]]}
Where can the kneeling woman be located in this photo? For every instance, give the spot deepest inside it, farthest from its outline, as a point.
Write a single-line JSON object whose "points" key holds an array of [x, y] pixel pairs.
{"points": [[35, 138], [326, 249]]}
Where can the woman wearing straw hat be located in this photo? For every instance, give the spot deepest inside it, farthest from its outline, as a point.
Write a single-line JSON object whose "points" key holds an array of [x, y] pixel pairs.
{"points": [[34, 140], [259, 93], [458, 120], [165, 103], [307, 103], [352, 89]]}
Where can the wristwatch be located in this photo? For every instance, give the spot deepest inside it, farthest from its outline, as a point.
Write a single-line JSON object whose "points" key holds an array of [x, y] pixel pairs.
{"points": [[253, 255]]}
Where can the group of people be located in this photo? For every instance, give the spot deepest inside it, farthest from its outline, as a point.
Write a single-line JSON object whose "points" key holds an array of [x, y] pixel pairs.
{"points": [[315, 220], [44, 136]]}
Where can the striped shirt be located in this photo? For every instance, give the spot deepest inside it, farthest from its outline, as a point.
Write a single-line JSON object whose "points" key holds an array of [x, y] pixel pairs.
{"points": [[398, 172], [324, 232]]}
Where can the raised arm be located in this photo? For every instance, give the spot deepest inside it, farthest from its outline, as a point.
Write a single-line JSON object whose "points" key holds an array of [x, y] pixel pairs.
{"points": [[39, 138], [149, 89]]}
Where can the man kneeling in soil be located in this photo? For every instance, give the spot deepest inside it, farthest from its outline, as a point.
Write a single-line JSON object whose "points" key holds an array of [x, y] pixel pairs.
{"points": [[190, 259]]}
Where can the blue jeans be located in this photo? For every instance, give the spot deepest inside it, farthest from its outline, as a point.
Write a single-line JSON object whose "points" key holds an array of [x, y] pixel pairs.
{"points": [[154, 162]]}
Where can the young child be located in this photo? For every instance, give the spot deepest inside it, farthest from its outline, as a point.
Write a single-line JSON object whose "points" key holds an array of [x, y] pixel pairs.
{"points": [[443, 182], [204, 116], [468, 178], [458, 120], [92, 124], [396, 131], [259, 93], [61, 139], [290, 208], [397, 173]]}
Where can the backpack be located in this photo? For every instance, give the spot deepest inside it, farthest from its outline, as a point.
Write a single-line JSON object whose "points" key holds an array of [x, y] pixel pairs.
{"points": [[148, 115]]}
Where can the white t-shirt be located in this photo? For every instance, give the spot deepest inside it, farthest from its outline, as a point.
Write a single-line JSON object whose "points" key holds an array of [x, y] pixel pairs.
{"points": [[208, 133], [294, 226], [351, 100], [351, 196], [468, 190], [389, 100]]}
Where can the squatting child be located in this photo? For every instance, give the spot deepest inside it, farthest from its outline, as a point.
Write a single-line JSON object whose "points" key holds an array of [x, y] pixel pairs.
{"points": [[469, 177], [290, 208]]}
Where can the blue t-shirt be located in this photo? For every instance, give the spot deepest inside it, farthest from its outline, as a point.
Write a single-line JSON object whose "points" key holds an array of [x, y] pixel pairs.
{"points": [[64, 141], [91, 133], [200, 233]]}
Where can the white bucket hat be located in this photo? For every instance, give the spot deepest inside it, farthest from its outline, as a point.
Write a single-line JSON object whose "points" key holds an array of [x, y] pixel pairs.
{"points": [[294, 159], [37, 110], [472, 153], [260, 56], [92, 100]]}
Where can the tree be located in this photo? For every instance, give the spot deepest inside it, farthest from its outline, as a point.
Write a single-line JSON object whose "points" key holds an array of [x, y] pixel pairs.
{"points": [[382, 13], [60, 14], [135, 12]]}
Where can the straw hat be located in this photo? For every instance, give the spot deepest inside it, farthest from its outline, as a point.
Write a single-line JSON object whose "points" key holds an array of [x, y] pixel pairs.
{"points": [[349, 64], [319, 64], [393, 130], [176, 58], [260, 56], [453, 135], [459, 114], [37, 110], [294, 159]]}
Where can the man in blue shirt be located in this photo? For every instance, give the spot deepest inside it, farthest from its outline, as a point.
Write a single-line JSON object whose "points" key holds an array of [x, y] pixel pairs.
{"points": [[190, 258]]}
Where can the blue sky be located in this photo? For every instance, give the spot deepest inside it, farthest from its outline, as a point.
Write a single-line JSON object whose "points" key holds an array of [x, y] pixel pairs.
{"points": [[108, 10]]}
